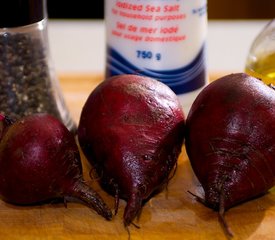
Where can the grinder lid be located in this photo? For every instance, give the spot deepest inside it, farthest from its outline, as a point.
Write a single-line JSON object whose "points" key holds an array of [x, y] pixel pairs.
{"points": [[16, 13]]}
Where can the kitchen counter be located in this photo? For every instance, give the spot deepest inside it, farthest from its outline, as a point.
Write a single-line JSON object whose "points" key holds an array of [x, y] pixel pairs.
{"points": [[171, 215]]}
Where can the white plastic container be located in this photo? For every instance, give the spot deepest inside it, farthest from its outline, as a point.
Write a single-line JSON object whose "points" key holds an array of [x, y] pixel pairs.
{"points": [[163, 39]]}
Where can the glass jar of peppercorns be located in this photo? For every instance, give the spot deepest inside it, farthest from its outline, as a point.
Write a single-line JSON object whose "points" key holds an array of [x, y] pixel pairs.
{"points": [[28, 82]]}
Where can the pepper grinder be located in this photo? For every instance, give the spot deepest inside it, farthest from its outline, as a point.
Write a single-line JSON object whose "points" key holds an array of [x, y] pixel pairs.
{"points": [[28, 81]]}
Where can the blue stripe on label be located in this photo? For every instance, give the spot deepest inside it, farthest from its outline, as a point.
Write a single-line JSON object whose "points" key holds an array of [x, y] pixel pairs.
{"points": [[181, 80]]}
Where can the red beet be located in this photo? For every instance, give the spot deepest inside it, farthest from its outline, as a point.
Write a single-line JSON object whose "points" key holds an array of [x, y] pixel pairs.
{"points": [[131, 130], [40, 161], [230, 140]]}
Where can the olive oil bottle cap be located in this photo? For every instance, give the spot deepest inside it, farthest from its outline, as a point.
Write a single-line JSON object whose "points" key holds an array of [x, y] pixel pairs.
{"points": [[16, 13]]}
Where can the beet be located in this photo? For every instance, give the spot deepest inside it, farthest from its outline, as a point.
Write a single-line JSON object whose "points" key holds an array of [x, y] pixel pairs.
{"points": [[131, 129], [40, 161], [230, 141]]}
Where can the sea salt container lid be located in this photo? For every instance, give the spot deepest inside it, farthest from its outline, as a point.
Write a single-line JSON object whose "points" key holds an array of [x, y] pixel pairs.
{"points": [[16, 13]]}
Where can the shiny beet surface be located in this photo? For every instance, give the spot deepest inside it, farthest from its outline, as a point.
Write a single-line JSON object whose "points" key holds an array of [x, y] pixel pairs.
{"points": [[131, 130], [40, 161], [230, 140]]}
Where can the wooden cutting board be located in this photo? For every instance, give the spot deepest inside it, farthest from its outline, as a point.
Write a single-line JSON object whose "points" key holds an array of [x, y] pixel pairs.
{"points": [[172, 214]]}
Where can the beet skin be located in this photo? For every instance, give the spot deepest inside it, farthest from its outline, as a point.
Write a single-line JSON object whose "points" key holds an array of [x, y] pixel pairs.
{"points": [[40, 161], [131, 130], [230, 140]]}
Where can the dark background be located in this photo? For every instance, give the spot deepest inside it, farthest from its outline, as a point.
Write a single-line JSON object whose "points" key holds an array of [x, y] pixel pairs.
{"points": [[76, 9], [217, 9]]}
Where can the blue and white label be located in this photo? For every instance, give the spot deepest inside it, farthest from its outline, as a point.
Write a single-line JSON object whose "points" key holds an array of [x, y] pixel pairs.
{"points": [[181, 80]]}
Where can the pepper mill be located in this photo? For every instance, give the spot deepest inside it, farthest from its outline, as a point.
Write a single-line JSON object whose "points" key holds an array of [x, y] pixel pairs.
{"points": [[28, 81]]}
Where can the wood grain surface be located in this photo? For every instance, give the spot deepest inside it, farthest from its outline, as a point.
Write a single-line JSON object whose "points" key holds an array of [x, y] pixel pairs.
{"points": [[172, 214]]}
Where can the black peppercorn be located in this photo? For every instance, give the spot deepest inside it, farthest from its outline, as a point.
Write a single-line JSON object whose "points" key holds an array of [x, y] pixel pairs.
{"points": [[27, 79], [25, 84]]}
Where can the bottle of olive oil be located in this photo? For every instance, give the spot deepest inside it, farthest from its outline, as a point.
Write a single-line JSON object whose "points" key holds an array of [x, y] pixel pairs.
{"points": [[263, 68], [260, 62]]}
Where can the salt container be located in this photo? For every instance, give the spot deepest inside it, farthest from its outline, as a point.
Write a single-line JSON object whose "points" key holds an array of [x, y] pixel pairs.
{"points": [[163, 39]]}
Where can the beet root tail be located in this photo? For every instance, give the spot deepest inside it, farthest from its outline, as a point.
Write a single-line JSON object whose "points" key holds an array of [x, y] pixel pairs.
{"points": [[132, 209], [92, 199], [221, 217]]}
